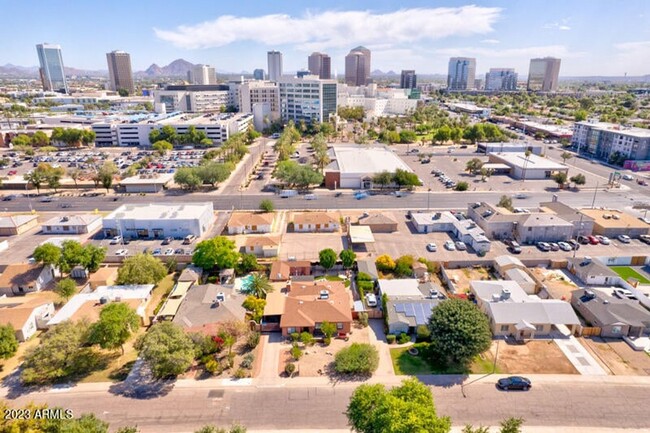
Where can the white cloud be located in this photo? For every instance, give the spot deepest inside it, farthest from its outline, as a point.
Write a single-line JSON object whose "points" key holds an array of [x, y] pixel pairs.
{"points": [[526, 52], [332, 29], [490, 41], [633, 57], [562, 25]]}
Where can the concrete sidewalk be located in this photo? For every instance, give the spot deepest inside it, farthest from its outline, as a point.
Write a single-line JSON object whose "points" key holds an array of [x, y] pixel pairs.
{"points": [[579, 356]]}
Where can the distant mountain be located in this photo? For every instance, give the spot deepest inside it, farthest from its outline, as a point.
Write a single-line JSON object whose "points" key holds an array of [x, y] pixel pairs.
{"points": [[177, 68], [10, 70], [84, 72], [380, 73], [605, 79]]}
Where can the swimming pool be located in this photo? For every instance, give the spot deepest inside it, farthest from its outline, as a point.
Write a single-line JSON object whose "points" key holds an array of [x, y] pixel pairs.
{"points": [[243, 284]]}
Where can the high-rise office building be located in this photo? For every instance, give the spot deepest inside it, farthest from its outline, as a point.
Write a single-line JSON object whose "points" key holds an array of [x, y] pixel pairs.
{"points": [[320, 64], [357, 67], [51, 68], [461, 73], [258, 74], [308, 98], [408, 79], [274, 65], [544, 74], [501, 79], [202, 74], [119, 71]]}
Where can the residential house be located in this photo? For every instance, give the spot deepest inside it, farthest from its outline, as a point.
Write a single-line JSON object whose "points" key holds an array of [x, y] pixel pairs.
{"points": [[191, 274], [615, 317], [512, 312], [592, 272], [511, 268], [612, 223], [405, 315], [105, 276], [17, 224], [248, 222], [420, 270], [378, 223], [306, 305], [282, 270], [72, 224], [18, 279], [26, 314], [315, 222], [209, 304], [368, 266], [262, 246], [400, 288]]}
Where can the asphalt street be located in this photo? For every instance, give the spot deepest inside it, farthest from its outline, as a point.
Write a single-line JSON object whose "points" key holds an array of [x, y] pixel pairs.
{"points": [[567, 402]]}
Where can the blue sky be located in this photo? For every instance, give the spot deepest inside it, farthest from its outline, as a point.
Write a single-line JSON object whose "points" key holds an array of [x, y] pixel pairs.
{"points": [[593, 37]]}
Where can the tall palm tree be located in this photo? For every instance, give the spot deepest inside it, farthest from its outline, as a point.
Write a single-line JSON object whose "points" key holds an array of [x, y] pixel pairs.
{"points": [[259, 286]]}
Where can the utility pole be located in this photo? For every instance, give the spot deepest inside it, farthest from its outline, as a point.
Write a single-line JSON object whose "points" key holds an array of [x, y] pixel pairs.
{"points": [[594, 199]]}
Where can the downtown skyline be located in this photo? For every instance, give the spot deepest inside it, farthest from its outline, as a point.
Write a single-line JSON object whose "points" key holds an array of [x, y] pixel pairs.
{"points": [[591, 38]]}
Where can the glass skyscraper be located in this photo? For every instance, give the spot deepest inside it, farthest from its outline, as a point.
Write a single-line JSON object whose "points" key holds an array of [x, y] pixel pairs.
{"points": [[51, 70]]}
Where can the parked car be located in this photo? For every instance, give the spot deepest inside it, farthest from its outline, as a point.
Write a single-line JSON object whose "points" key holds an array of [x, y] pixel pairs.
{"points": [[642, 182], [425, 161], [603, 239], [168, 240], [116, 240], [514, 382], [371, 300], [564, 246], [627, 177], [169, 251], [432, 247], [584, 240], [623, 293], [414, 151], [513, 246], [543, 246], [178, 251], [460, 246], [574, 244], [624, 238], [311, 197], [121, 252], [157, 252], [645, 239], [593, 240], [450, 245], [189, 239], [554, 246]]}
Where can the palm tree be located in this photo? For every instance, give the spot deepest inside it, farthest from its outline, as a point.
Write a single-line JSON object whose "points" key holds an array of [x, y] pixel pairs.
{"points": [[259, 286], [527, 154], [321, 158]]}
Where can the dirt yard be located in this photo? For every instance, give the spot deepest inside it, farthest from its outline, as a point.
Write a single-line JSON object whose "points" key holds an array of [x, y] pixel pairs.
{"points": [[618, 356], [532, 357], [318, 357], [462, 277], [558, 284]]}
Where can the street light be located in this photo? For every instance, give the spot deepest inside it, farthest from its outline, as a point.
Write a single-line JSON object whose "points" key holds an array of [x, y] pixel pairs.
{"points": [[428, 197]]}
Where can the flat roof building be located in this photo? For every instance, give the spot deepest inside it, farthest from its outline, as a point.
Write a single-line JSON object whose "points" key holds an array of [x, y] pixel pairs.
{"points": [[543, 74], [607, 140], [119, 71], [51, 68], [531, 167], [307, 98], [461, 73], [72, 224]]}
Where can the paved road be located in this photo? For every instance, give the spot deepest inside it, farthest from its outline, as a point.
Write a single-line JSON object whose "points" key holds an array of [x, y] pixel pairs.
{"points": [[567, 401]]}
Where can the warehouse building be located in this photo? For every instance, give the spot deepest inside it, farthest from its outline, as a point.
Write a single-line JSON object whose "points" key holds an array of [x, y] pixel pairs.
{"points": [[355, 166]]}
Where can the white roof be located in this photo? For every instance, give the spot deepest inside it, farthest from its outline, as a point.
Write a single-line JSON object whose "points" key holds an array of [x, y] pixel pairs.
{"points": [[519, 275], [623, 130], [505, 260], [401, 288], [546, 311], [359, 159], [485, 290], [361, 235], [518, 159], [158, 178], [16, 220], [160, 211], [73, 220], [428, 218]]}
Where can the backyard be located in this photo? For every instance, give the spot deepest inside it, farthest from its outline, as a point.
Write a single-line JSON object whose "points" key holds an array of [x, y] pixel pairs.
{"points": [[413, 365], [462, 277], [627, 272]]}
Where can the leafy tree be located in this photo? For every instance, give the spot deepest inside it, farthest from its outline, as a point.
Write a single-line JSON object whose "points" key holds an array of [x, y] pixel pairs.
{"points": [[459, 331], [405, 178], [385, 263], [327, 258], [219, 251], [560, 178], [8, 341], [123, 93], [293, 173], [470, 429], [255, 306], [321, 158], [578, 179], [406, 136], [267, 205], [382, 178], [75, 174], [72, 254], [141, 269], [40, 139], [462, 186], [248, 263], [565, 156], [128, 430], [358, 358], [580, 115], [259, 286], [442, 134], [328, 329], [351, 113], [167, 349], [21, 140], [106, 173], [213, 173], [117, 322], [474, 165], [48, 254], [66, 288], [347, 258], [506, 202], [187, 177], [93, 257], [511, 425], [406, 408], [404, 266], [162, 147], [36, 178], [87, 423]]}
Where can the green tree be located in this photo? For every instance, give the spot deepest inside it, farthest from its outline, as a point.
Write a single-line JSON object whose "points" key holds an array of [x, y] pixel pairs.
{"points": [[405, 178], [511, 425], [40, 139], [162, 147], [560, 178], [470, 429], [580, 115], [406, 136], [21, 140], [406, 408], [462, 186], [187, 177], [87, 423], [93, 257], [578, 179], [267, 205], [321, 158], [48, 254], [219, 251], [72, 254], [474, 165], [385, 263], [506, 202], [328, 329], [404, 266], [248, 263], [167, 349], [459, 332], [213, 173], [259, 286], [347, 258], [141, 269], [565, 156], [358, 358], [106, 173], [123, 93], [117, 322], [327, 258], [66, 288], [75, 174], [35, 178], [255, 306], [8, 341], [383, 178]]}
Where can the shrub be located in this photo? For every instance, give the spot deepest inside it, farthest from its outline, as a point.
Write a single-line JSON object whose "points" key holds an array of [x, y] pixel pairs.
{"points": [[462, 186], [247, 362], [253, 340], [296, 353], [358, 358], [290, 368], [212, 366], [390, 338], [362, 276], [385, 263], [363, 319], [230, 360], [295, 337], [404, 338], [366, 286], [327, 341], [267, 205], [423, 333], [306, 338], [240, 374]]}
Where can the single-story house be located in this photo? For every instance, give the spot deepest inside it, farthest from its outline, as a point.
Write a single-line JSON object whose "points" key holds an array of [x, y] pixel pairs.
{"points": [[506, 262], [592, 272], [208, 304], [615, 317], [21, 278], [72, 224], [523, 278], [612, 222], [378, 223], [262, 246], [249, 222], [512, 312], [17, 224], [315, 222], [105, 276], [368, 266], [26, 314], [404, 316], [407, 288], [190, 274], [306, 305], [282, 270]]}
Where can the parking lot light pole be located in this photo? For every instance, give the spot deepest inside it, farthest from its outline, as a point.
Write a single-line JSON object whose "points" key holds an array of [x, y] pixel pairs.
{"points": [[428, 198], [594, 199]]}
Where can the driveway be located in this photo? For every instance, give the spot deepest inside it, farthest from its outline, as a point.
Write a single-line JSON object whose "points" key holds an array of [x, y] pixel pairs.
{"points": [[377, 338], [579, 356], [272, 346]]}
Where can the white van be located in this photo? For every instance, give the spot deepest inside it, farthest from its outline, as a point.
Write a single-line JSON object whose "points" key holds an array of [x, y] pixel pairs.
{"points": [[371, 300], [286, 193]]}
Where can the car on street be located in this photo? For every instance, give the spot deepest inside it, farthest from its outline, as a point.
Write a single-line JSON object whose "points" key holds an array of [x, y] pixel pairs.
{"points": [[514, 382], [593, 240], [169, 251], [414, 151], [460, 246], [311, 197], [564, 246], [12, 172], [168, 240], [543, 246], [624, 238], [603, 239], [520, 195], [66, 205], [121, 252], [627, 177], [450, 246], [116, 240], [47, 199], [432, 247], [338, 194], [360, 195], [425, 161]]}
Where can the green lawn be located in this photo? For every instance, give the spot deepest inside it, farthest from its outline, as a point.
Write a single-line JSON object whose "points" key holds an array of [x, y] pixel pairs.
{"points": [[406, 364], [627, 272]]}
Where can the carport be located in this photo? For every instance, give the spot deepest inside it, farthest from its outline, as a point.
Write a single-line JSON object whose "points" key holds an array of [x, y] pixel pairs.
{"points": [[497, 168], [360, 237]]}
